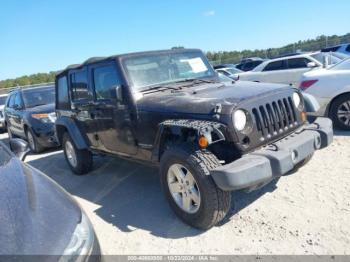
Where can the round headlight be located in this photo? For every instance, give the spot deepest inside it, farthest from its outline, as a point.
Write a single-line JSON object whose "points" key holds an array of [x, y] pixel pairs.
{"points": [[240, 120], [297, 100]]}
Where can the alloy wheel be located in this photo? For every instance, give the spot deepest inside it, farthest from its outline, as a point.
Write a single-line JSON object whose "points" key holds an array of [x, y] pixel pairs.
{"points": [[343, 113], [31, 140], [183, 188], [70, 153]]}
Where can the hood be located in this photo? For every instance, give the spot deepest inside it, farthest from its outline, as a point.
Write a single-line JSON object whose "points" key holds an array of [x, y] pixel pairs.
{"points": [[37, 216], [202, 99], [49, 108]]}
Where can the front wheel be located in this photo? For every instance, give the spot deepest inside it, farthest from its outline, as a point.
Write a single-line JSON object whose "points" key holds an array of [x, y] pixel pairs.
{"points": [[33, 143], [189, 188], [79, 160]]}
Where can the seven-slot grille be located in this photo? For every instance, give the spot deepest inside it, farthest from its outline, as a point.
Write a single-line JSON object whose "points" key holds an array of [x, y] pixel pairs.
{"points": [[275, 118]]}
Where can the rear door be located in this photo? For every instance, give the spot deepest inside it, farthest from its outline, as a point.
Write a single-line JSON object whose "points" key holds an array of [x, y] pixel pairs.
{"points": [[296, 68], [112, 116], [83, 104], [9, 110], [14, 114], [18, 115]]}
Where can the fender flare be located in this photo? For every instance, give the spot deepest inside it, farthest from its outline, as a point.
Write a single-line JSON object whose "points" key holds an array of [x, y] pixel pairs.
{"points": [[311, 104], [73, 131], [177, 126]]}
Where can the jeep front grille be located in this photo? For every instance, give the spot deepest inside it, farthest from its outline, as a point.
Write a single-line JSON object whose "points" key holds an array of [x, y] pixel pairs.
{"points": [[275, 118]]}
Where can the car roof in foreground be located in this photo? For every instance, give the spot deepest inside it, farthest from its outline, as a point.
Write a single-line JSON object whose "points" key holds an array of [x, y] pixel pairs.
{"points": [[94, 60]]}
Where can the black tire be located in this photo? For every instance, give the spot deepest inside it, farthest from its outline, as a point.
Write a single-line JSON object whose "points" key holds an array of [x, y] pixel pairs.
{"points": [[214, 203], [84, 160], [35, 147], [333, 112]]}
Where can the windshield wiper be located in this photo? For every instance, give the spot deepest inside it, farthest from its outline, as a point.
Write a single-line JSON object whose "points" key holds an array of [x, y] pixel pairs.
{"points": [[158, 88], [38, 105], [194, 81]]}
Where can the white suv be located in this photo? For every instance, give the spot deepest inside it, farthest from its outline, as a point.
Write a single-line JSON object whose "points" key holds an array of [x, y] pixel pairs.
{"points": [[289, 69]]}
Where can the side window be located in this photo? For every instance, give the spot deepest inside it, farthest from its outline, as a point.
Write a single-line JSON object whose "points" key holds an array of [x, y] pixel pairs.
{"points": [[62, 93], [277, 65], [18, 101], [348, 48], [105, 80], [79, 85], [248, 66], [11, 101], [298, 63]]}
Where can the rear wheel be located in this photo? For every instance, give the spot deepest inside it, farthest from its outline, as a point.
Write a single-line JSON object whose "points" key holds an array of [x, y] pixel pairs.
{"points": [[189, 188], [340, 112], [33, 143], [79, 160]]}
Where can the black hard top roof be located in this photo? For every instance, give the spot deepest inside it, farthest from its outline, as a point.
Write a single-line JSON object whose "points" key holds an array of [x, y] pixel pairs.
{"points": [[94, 60]]}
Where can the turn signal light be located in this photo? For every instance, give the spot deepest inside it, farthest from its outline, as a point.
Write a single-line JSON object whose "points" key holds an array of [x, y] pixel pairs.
{"points": [[40, 116], [203, 142], [303, 116]]}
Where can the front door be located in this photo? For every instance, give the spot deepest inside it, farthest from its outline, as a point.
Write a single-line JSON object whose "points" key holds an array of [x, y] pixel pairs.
{"points": [[111, 113]]}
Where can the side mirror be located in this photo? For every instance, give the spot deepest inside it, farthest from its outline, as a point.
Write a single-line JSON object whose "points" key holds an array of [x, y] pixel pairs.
{"points": [[119, 93], [235, 77], [311, 65], [20, 148]]}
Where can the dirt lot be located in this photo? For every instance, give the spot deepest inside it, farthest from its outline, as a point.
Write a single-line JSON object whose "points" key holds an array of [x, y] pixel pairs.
{"points": [[304, 213]]}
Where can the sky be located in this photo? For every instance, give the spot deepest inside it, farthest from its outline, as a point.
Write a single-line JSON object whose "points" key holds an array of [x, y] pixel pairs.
{"points": [[42, 36]]}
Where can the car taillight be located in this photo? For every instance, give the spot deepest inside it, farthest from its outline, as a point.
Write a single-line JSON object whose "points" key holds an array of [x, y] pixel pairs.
{"points": [[306, 84]]}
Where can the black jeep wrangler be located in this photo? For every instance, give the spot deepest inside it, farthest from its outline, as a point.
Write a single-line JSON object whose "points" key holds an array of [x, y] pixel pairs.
{"points": [[168, 108]]}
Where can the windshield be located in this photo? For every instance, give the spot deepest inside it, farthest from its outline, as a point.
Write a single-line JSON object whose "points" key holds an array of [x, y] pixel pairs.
{"points": [[165, 68], [39, 96], [233, 70], [343, 65], [2, 100], [333, 58], [224, 78]]}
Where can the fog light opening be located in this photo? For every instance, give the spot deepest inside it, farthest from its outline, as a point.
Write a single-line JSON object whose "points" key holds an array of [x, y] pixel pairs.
{"points": [[294, 156], [317, 142]]}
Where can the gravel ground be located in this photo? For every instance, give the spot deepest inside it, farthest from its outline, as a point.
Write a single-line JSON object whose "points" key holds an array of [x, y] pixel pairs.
{"points": [[304, 213]]}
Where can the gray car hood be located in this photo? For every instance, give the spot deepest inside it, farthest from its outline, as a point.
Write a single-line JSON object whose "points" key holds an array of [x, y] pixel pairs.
{"points": [[36, 215]]}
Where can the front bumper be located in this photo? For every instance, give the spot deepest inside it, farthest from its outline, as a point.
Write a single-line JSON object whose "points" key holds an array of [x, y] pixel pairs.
{"points": [[277, 159], [45, 135]]}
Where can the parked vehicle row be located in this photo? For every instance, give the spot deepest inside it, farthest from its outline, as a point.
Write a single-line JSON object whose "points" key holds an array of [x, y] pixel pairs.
{"points": [[288, 69], [170, 109]]}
